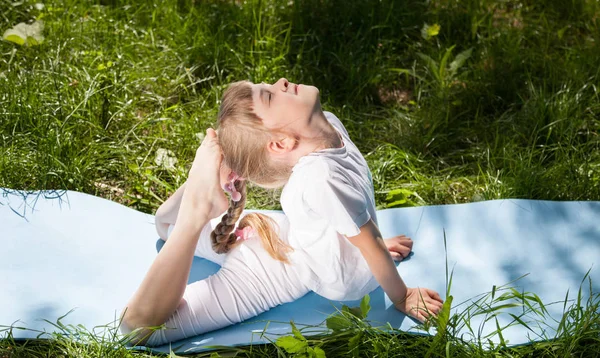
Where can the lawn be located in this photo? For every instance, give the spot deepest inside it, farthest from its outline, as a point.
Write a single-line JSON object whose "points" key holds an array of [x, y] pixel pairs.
{"points": [[450, 101]]}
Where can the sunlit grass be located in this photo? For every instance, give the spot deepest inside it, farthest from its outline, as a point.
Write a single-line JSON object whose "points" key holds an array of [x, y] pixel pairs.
{"points": [[116, 82]]}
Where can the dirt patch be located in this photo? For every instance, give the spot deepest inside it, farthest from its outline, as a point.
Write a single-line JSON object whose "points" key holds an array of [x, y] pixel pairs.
{"points": [[502, 17], [394, 95]]}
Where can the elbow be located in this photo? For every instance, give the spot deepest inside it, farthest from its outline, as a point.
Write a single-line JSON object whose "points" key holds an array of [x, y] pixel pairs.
{"points": [[135, 332], [162, 227]]}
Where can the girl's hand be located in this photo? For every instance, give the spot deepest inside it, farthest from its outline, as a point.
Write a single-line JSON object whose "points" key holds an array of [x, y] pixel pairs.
{"points": [[399, 247], [225, 175], [420, 303], [203, 189]]}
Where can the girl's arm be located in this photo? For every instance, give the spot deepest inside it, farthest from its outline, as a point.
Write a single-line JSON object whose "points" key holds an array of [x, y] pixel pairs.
{"points": [[162, 289], [413, 302], [167, 213]]}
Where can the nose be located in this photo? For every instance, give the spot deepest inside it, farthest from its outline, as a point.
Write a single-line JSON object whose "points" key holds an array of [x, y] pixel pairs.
{"points": [[283, 84]]}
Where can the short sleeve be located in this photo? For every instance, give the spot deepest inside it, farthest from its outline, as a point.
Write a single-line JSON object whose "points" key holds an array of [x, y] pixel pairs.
{"points": [[339, 203]]}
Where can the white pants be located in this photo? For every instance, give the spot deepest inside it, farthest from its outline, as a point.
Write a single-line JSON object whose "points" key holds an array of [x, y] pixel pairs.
{"points": [[249, 282]]}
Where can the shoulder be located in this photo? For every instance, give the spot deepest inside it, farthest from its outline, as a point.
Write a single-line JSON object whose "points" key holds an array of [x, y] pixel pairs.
{"points": [[308, 174], [322, 175], [312, 174], [313, 169]]}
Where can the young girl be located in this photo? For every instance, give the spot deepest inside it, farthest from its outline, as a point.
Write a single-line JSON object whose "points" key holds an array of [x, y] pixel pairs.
{"points": [[327, 241]]}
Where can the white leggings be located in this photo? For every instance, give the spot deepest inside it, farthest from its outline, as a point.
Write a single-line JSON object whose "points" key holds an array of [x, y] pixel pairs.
{"points": [[249, 282]]}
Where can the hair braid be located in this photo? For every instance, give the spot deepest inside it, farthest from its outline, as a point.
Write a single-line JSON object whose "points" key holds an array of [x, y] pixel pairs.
{"points": [[243, 138], [223, 237]]}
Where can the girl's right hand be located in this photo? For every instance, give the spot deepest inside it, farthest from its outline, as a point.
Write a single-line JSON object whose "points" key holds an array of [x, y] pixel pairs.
{"points": [[399, 247], [420, 303], [203, 189]]}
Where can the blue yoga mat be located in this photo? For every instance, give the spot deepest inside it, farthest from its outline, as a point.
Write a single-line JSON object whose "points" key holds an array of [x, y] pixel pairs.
{"points": [[67, 250]]}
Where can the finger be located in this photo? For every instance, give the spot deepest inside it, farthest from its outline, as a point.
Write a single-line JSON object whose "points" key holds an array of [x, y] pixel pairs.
{"points": [[438, 310], [428, 305], [433, 307], [396, 256], [430, 311], [400, 239], [402, 242], [427, 314], [207, 141], [436, 303], [435, 295], [422, 315], [419, 317], [399, 247], [429, 300], [403, 238], [405, 251], [401, 253], [211, 132]]}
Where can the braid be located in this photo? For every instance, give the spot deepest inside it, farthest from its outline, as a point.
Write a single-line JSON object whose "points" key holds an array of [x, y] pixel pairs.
{"points": [[223, 238]]}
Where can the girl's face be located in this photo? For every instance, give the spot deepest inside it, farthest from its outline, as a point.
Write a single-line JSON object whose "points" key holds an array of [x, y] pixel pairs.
{"points": [[286, 106]]}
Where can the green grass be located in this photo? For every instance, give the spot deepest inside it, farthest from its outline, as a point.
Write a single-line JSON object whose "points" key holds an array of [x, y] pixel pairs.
{"points": [[502, 102]]}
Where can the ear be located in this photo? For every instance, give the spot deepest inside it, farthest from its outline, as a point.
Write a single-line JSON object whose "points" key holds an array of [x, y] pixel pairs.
{"points": [[281, 146]]}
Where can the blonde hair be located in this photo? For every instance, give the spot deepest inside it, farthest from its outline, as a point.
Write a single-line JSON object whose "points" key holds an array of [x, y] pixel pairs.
{"points": [[243, 139]]}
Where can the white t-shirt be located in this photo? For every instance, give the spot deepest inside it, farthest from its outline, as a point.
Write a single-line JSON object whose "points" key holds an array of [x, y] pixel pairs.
{"points": [[330, 194]]}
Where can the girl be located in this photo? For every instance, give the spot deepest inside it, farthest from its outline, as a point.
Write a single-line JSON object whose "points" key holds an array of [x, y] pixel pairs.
{"points": [[327, 241]]}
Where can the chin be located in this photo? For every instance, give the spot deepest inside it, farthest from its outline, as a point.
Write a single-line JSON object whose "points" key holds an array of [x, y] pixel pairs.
{"points": [[315, 89], [312, 91]]}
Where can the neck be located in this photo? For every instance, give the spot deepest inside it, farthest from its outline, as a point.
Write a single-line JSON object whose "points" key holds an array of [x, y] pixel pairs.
{"points": [[319, 134]]}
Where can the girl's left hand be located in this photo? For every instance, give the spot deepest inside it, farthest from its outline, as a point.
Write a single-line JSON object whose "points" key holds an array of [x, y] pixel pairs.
{"points": [[203, 187]]}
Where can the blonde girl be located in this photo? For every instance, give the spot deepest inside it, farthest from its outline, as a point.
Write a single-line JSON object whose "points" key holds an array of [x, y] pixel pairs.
{"points": [[326, 240]]}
